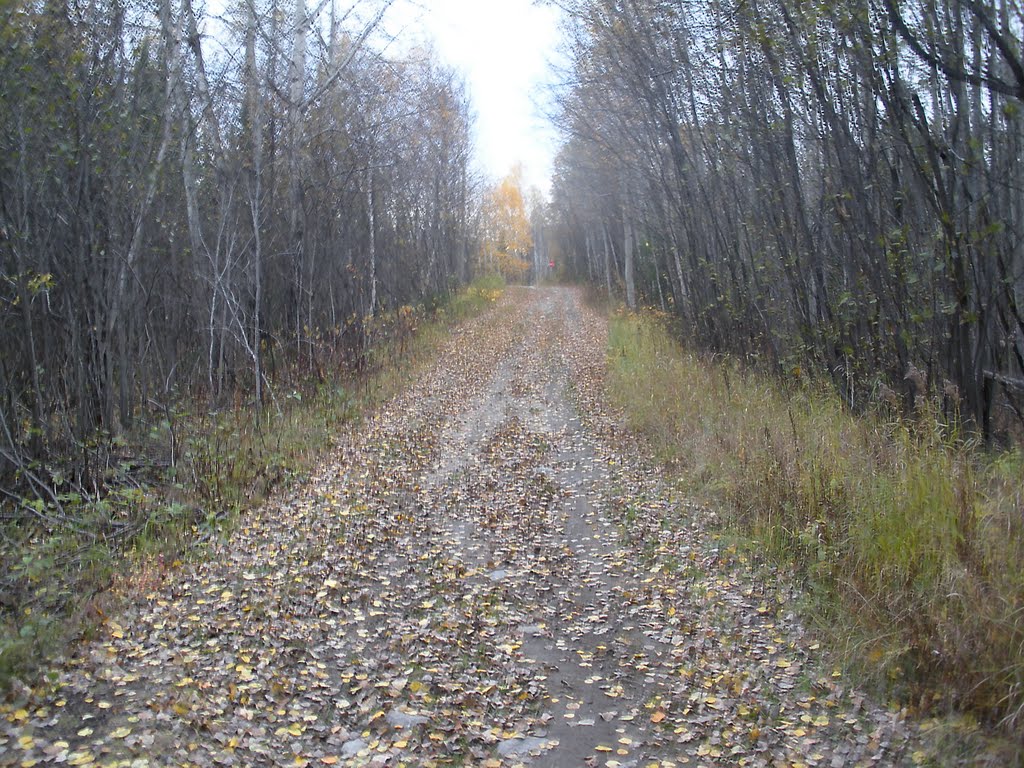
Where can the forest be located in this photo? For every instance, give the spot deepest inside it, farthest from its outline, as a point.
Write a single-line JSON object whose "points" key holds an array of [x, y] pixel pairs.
{"points": [[823, 203], [192, 206], [222, 224], [231, 231], [820, 188]]}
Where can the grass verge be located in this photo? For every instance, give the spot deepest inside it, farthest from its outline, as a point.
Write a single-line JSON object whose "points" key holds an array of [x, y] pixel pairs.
{"points": [[910, 540], [185, 478]]}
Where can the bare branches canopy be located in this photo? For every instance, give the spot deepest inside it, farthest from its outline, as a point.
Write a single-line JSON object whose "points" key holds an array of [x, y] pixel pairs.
{"points": [[186, 198], [825, 184]]}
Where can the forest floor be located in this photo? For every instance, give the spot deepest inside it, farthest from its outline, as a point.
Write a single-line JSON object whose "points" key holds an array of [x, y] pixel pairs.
{"points": [[487, 572]]}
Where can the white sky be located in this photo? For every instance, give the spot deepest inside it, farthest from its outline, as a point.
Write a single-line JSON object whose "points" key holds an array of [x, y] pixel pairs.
{"points": [[502, 48]]}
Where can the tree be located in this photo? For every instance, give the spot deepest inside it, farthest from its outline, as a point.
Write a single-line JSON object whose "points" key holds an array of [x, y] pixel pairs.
{"points": [[506, 232]]}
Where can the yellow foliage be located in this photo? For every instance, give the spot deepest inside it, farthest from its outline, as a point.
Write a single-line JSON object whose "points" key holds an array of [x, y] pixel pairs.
{"points": [[506, 233], [511, 267]]}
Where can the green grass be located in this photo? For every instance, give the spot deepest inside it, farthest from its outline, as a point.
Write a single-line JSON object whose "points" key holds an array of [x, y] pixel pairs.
{"points": [[909, 538], [56, 573]]}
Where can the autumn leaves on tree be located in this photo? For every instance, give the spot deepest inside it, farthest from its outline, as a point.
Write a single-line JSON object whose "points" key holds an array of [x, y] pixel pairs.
{"points": [[506, 237]]}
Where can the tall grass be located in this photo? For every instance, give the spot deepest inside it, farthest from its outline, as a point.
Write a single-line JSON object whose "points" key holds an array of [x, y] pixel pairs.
{"points": [[186, 476], [909, 538]]}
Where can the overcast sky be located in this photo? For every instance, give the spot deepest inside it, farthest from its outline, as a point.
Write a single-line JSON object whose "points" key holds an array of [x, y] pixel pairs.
{"points": [[503, 48]]}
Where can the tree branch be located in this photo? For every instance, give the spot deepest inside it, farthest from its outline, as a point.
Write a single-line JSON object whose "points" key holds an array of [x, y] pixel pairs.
{"points": [[994, 84]]}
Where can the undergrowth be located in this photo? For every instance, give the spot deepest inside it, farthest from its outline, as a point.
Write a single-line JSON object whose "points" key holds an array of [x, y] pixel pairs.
{"points": [[909, 538], [182, 477]]}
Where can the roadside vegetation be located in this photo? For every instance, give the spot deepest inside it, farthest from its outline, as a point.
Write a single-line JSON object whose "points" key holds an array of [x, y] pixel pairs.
{"points": [[907, 534], [184, 476]]}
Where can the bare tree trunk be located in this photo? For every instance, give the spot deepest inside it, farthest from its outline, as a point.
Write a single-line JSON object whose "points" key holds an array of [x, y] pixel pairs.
{"points": [[607, 258], [171, 30], [296, 229], [629, 267], [371, 223], [588, 245], [254, 111], [684, 293]]}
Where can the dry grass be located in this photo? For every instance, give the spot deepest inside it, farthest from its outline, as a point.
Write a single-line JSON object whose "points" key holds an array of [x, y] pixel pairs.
{"points": [[910, 539]]}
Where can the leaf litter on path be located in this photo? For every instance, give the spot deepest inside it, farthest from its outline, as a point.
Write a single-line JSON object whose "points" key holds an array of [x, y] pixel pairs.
{"points": [[489, 572]]}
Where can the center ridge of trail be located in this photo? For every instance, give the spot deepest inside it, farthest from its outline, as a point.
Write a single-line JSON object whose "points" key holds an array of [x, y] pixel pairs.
{"points": [[489, 572]]}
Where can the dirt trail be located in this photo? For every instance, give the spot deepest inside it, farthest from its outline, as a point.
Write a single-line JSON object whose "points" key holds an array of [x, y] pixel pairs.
{"points": [[489, 573]]}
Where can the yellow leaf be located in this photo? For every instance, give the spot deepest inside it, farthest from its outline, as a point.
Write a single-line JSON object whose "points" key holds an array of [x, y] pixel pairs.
{"points": [[81, 758], [20, 715], [783, 664], [658, 716], [26, 742], [602, 748], [295, 729], [329, 760], [120, 733], [85, 732], [401, 744]]}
